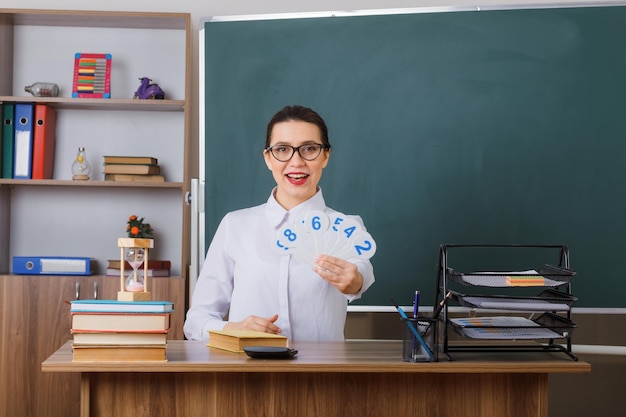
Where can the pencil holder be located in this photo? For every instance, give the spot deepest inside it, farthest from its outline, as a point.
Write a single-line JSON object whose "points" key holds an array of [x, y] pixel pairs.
{"points": [[423, 348]]}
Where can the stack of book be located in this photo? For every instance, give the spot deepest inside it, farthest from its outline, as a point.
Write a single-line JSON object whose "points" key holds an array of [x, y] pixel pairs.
{"points": [[156, 268], [120, 331], [132, 168]]}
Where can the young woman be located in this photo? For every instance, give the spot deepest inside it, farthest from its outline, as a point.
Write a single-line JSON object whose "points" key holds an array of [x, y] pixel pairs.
{"points": [[245, 283]]}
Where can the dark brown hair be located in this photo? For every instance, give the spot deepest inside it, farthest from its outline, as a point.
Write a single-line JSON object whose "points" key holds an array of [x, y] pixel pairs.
{"points": [[300, 113]]}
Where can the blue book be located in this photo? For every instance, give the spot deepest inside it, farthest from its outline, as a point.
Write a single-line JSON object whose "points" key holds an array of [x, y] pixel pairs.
{"points": [[114, 306], [23, 141]]}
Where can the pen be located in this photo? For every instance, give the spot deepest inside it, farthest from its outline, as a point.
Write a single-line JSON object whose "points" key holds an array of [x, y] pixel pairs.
{"points": [[441, 304], [413, 330], [416, 304], [416, 309]]}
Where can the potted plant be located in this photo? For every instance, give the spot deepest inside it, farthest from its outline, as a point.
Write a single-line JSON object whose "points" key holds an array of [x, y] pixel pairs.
{"points": [[134, 250]]}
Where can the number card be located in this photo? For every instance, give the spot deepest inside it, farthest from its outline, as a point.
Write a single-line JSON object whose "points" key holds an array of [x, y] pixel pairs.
{"points": [[318, 233], [292, 239], [316, 224]]}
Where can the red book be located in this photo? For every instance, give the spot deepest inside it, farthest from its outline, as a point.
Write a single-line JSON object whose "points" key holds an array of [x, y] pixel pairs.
{"points": [[44, 138]]}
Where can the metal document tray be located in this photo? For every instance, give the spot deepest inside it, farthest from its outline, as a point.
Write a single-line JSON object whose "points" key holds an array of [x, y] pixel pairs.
{"points": [[548, 300], [554, 276], [547, 326]]}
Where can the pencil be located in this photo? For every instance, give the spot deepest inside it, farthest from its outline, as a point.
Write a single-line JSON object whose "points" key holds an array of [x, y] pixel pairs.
{"points": [[441, 304]]}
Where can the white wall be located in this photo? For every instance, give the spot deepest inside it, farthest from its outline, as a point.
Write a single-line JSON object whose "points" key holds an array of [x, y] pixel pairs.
{"points": [[199, 9], [231, 7]]}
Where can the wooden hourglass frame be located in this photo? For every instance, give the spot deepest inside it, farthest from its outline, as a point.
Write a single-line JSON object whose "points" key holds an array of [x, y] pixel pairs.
{"points": [[139, 243]]}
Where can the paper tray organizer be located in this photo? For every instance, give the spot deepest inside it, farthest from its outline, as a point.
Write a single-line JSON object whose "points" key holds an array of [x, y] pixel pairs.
{"points": [[554, 302]]}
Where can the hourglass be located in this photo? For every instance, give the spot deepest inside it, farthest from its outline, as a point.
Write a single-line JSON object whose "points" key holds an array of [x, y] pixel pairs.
{"points": [[134, 257], [134, 286]]}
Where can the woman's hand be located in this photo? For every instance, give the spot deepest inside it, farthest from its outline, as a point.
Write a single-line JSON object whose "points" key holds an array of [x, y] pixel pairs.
{"points": [[259, 324], [339, 273]]}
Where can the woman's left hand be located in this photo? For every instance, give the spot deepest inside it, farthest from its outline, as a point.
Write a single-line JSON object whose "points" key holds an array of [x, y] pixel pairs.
{"points": [[339, 273]]}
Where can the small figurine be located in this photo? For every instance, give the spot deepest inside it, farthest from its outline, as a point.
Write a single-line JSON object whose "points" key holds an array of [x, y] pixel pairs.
{"points": [[147, 90]]}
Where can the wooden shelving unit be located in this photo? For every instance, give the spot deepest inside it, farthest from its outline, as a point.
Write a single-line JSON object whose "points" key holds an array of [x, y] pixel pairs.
{"points": [[61, 217]]}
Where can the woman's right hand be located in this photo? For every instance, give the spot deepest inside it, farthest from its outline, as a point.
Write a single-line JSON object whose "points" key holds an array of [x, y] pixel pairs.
{"points": [[259, 324]]}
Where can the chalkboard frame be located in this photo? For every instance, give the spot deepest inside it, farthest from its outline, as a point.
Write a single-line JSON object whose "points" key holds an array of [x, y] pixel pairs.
{"points": [[595, 245]]}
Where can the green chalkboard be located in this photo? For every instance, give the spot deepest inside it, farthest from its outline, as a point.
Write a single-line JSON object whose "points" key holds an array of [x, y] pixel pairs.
{"points": [[491, 127]]}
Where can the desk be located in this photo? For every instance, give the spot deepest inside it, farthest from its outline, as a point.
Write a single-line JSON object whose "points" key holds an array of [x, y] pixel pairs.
{"points": [[355, 378]]}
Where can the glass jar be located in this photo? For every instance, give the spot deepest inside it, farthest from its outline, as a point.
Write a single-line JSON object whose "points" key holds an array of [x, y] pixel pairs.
{"points": [[135, 257], [40, 89]]}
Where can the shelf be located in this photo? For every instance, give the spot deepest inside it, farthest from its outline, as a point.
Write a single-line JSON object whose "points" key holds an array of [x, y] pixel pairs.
{"points": [[70, 183], [96, 276], [101, 104], [72, 18], [115, 126]]}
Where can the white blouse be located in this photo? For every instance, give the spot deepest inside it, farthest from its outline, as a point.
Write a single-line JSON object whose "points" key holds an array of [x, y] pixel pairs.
{"points": [[244, 275]]}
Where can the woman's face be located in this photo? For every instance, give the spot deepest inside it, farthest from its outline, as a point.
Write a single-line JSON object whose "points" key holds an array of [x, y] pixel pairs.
{"points": [[296, 178]]}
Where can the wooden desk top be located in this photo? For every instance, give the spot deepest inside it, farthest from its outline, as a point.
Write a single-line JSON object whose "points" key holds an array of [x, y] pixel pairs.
{"points": [[375, 356]]}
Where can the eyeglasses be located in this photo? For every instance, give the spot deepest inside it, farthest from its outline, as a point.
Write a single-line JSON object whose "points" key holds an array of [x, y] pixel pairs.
{"points": [[308, 152]]}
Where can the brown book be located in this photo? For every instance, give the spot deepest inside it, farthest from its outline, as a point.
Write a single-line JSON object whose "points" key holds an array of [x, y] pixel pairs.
{"points": [[236, 340], [152, 264], [112, 338], [120, 322], [106, 353], [134, 177], [132, 169], [119, 159]]}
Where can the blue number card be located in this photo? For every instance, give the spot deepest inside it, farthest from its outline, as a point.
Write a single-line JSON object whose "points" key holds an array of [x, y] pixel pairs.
{"points": [[319, 233]]}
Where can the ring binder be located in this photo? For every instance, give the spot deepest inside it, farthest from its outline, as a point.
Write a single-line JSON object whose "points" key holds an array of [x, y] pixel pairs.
{"points": [[52, 265], [23, 141]]}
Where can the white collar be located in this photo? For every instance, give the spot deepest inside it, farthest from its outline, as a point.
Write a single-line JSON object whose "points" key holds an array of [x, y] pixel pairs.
{"points": [[277, 215]]}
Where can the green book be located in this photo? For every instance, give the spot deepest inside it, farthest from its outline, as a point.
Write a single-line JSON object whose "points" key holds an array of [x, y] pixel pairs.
{"points": [[1, 135], [8, 132]]}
